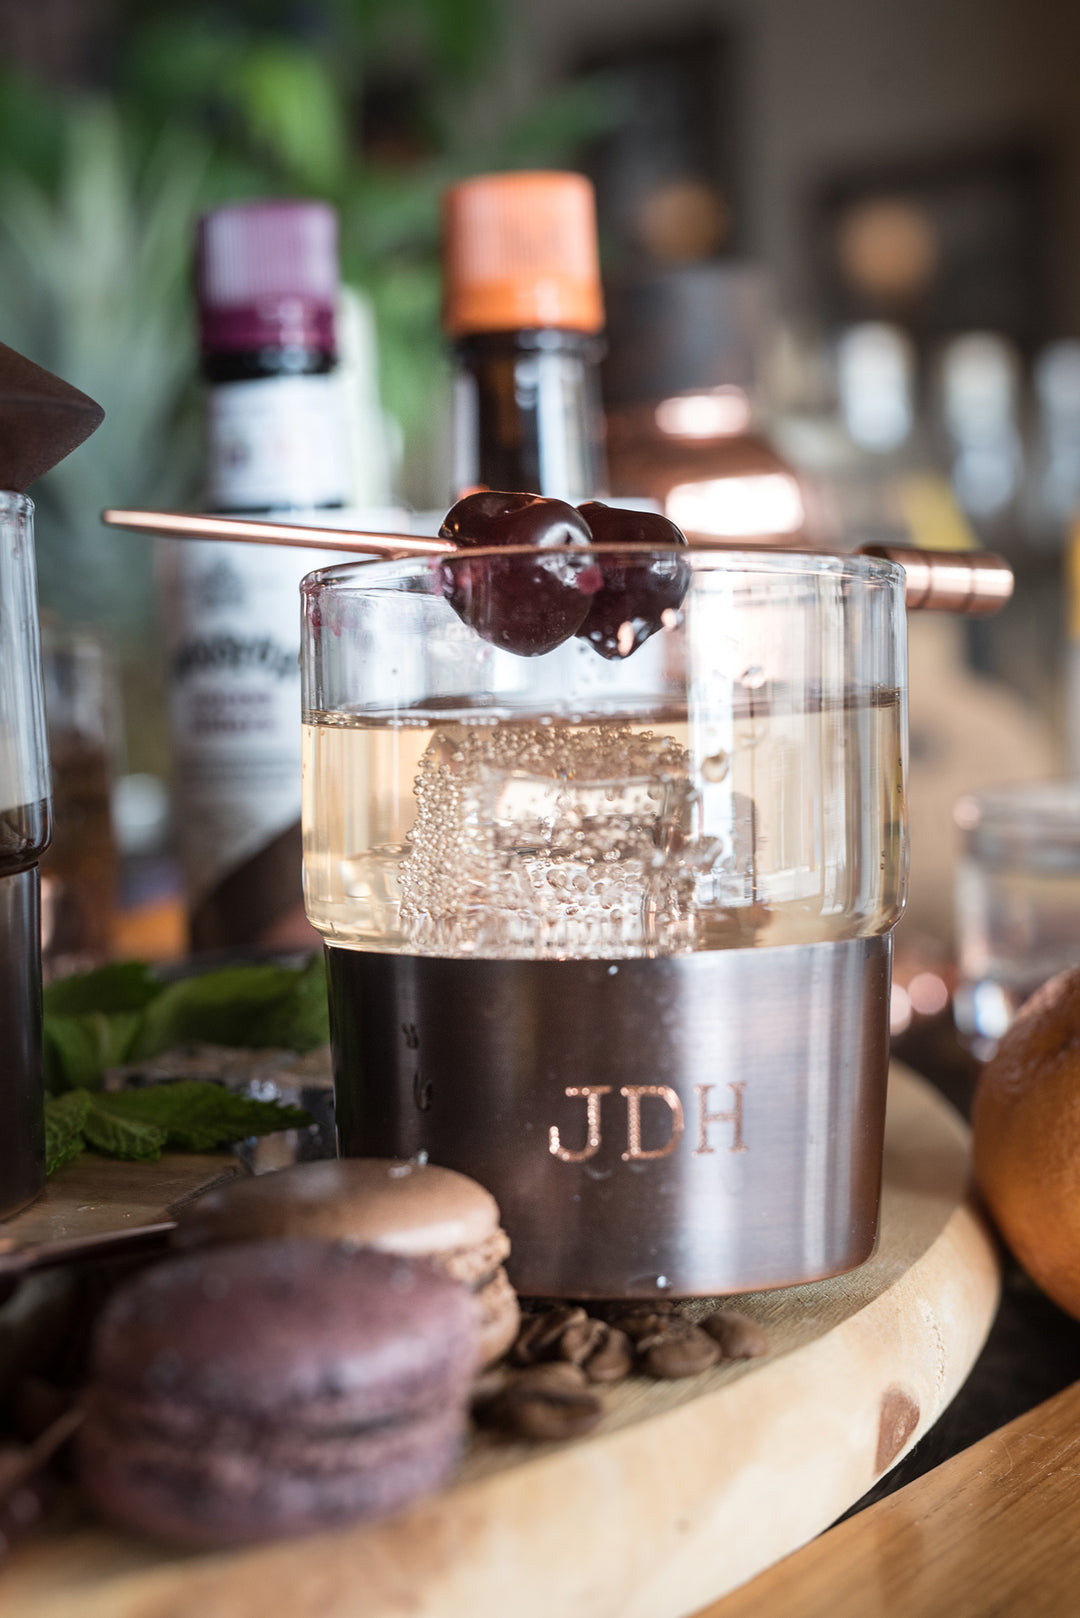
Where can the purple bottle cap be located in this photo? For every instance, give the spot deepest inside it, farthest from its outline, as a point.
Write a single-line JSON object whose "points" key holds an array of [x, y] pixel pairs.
{"points": [[267, 275]]}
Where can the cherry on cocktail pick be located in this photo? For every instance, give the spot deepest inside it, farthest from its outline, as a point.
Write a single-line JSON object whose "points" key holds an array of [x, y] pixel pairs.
{"points": [[42, 419], [630, 604], [520, 605]]}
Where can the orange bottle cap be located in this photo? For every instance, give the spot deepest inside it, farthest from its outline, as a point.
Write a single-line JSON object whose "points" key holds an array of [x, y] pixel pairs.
{"points": [[520, 253]]}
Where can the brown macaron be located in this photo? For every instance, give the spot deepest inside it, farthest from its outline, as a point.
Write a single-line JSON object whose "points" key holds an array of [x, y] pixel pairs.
{"points": [[246, 1393], [417, 1210]]}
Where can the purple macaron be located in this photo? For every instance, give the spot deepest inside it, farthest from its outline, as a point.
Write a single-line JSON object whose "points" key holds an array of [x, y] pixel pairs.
{"points": [[274, 1388]]}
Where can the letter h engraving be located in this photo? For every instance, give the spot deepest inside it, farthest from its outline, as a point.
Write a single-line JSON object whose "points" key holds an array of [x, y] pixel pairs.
{"points": [[705, 1118]]}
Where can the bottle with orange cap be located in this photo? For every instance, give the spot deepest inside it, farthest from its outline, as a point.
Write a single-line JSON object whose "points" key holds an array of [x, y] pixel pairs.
{"points": [[524, 309]]}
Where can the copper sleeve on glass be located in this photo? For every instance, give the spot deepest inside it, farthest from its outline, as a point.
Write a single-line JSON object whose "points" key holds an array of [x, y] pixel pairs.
{"points": [[974, 583]]}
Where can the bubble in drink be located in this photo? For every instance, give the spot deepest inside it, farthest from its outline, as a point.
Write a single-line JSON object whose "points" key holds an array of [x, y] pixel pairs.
{"points": [[548, 840]]}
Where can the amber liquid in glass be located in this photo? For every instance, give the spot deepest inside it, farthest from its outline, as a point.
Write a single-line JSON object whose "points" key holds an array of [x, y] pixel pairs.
{"points": [[473, 832]]}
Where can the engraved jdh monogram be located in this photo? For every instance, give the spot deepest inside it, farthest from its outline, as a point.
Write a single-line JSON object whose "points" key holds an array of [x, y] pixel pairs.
{"points": [[634, 1094], [592, 1094]]}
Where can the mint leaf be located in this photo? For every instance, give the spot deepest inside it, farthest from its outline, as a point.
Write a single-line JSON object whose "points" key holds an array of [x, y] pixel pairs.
{"points": [[124, 1013], [117, 1136], [64, 1120], [124, 986], [198, 1116], [78, 1048], [191, 1116], [301, 1018], [230, 1007]]}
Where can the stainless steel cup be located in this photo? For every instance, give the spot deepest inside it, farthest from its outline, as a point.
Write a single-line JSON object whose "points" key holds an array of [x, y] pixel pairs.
{"points": [[612, 933]]}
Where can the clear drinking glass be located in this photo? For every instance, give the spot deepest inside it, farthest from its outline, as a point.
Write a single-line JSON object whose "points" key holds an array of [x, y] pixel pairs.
{"points": [[1017, 901], [24, 834], [627, 872]]}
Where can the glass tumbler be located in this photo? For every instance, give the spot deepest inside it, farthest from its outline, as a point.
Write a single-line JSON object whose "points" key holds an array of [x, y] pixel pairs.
{"points": [[24, 835], [1017, 901], [606, 853]]}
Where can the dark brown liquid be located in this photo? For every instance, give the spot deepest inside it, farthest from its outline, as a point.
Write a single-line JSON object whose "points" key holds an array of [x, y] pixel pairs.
{"points": [[80, 868], [24, 836], [22, 1127], [535, 420]]}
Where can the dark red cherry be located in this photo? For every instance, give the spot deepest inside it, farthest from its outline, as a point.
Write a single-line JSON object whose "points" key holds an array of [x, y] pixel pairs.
{"points": [[501, 517], [518, 604], [633, 596]]}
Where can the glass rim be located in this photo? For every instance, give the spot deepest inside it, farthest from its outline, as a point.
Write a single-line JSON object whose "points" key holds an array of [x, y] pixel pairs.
{"points": [[702, 556], [12, 503], [1021, 806]]}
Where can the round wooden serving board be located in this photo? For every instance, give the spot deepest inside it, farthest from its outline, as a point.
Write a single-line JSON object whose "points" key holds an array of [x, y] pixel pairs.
{"points": [[685, 1490]]}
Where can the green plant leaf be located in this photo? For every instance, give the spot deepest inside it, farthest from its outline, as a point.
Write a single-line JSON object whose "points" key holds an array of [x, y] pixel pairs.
{"points": [[64, 1120], [301, 1018], [124, 1013], [138, 1124], [78, 1049], [290, 105], [197, 1117], [124, 986], [236, 1006], [110, 1132]]}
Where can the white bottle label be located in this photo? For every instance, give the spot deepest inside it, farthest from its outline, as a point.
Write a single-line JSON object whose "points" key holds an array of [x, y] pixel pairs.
{"points": [[232, 621], [278, 441], [232, 625]]}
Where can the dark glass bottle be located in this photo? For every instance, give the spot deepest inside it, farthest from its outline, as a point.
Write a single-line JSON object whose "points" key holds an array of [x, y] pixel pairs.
{"points": [[524, 308], [528, 413]]}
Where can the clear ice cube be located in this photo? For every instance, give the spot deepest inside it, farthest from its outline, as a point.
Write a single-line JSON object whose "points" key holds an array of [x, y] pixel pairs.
{"points": [[548, 840]]}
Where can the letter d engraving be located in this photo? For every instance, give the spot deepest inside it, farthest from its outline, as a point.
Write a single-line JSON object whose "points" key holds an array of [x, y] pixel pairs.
{"points": [[635, 1152]]}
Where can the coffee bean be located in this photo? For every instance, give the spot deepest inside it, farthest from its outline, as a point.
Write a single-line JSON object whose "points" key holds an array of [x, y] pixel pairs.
{"points": [[739, 1337], [487, 1385], [673, 1355], [555, 1376], [638, 1327], [612, 1357], [544, 1403], [541, 1334], [580, 1339]]}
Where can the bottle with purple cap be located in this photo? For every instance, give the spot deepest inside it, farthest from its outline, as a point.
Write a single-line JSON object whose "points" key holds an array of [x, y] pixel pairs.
{"points": [[267, 284]]}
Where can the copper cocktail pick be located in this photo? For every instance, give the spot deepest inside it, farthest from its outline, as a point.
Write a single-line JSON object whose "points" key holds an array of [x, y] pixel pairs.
{"points": [[184, 525], [973, 583]]}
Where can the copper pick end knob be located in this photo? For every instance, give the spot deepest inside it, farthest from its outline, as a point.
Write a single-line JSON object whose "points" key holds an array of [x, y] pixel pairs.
{"points": [[972, 583]]}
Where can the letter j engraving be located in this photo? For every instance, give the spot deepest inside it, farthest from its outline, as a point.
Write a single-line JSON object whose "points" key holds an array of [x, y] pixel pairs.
{"points": [[592, 1094]]}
